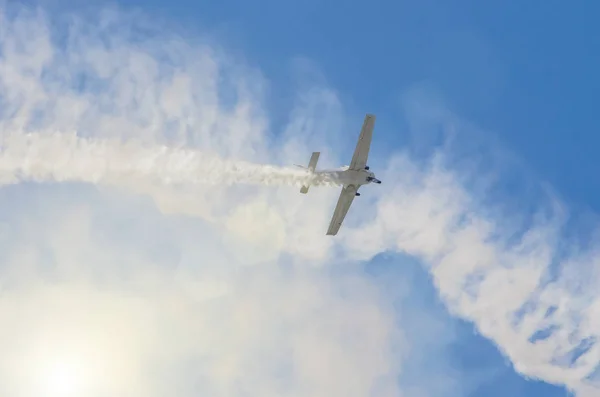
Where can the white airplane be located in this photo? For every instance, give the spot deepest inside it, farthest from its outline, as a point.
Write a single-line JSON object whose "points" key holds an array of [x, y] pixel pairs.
{"points": [[351, 177]]}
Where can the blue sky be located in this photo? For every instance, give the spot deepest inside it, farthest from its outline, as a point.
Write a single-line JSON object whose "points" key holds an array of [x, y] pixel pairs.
{"points": [[518, 82], [523, 72]]}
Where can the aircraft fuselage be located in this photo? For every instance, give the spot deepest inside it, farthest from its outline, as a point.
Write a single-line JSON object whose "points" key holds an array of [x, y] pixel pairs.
{"points": [[349, 177]]}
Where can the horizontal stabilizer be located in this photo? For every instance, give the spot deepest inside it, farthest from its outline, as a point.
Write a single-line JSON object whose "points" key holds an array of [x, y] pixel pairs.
{"points": [[312, 165]]}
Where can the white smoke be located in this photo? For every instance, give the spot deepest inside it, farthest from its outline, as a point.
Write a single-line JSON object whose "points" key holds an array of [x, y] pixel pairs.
{"points": [[61, 157]]}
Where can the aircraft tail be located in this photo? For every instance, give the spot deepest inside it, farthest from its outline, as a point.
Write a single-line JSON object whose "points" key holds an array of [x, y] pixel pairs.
{"points": [[312, 165]]}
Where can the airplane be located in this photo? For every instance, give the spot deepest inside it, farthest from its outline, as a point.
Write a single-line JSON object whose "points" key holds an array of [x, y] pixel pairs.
{"points": [[351, 177]]}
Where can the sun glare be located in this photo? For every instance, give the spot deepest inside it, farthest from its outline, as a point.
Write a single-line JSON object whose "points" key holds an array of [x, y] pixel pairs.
{"points": [[62, 378]]}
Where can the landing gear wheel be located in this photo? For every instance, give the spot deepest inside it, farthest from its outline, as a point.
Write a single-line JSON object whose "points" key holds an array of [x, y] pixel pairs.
{"points": [[357, 194]]}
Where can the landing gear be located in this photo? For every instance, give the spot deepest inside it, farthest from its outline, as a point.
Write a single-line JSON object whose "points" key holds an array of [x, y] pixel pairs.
{"points": [[367, 167], [357, 194]]}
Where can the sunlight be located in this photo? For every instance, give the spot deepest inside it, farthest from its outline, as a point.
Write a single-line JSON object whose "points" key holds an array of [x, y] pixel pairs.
{"points": [[70, 341], [63, 378], [58, 363]]}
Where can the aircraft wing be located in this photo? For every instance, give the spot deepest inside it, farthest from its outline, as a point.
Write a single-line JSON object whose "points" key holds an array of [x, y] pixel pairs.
{"points": [[341, 209], [361, 152]]}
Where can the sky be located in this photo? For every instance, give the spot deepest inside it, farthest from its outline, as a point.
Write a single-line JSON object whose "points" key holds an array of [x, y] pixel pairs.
{"points": [[151, 246]]}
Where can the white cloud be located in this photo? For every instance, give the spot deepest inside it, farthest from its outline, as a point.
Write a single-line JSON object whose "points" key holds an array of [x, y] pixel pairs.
{"points": [[492, 261], [177, 305], [104, 295]]}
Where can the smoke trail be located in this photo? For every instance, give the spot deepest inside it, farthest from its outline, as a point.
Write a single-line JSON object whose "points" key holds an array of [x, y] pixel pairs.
{"points": [[61, 157]]}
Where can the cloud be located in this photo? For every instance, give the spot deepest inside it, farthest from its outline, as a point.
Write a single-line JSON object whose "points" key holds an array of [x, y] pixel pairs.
{"points": [[107, 293], [499, 246], [240, 298], [222, 330]]}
